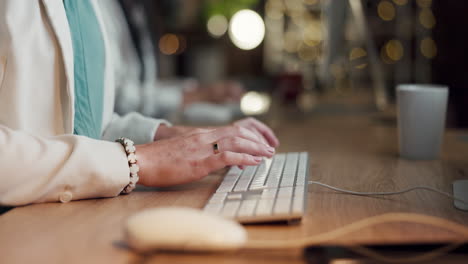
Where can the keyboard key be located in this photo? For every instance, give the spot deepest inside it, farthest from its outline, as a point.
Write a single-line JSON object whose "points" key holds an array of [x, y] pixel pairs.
{"points": [[298, 206], [274, 190], [245, 179], [213, 208], [230, 209], [282, 206], [247, 208], [299, 191], [269, 194], [234, 196], [285, 192], [217, 198], [264, 207]]}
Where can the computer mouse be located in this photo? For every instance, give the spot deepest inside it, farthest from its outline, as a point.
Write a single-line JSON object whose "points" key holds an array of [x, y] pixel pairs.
{"points": [[182, 229]]}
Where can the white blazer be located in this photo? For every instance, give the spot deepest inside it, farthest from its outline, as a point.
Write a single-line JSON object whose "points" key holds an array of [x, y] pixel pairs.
{"points": [[40, 158]]}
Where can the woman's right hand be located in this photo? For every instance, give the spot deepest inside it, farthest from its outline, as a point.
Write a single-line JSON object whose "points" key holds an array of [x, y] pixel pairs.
{"points": [[190, 157]]}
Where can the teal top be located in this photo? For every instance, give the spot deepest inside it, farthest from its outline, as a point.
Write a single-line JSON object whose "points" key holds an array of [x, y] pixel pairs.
{"points": [[89, 63]]}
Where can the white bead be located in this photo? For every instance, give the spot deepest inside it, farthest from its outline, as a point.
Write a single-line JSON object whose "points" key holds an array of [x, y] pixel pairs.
{"points": [[132, 158], [134, 169], [128, 141], [130, 148]]}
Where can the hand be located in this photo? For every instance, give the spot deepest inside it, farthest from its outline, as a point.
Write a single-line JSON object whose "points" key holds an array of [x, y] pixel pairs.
{"points": [[189, 157], [260, 129], [165, 132], [263, 132]]}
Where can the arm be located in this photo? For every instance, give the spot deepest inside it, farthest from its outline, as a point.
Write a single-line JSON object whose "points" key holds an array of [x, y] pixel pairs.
{"points": [[36, 169], [135, 126]]}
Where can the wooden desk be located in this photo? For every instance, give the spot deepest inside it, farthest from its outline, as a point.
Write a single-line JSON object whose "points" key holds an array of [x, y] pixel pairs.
{"points": [[357, 152]]}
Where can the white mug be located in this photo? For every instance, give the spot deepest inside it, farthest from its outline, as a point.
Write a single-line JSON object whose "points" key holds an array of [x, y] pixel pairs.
{"points": [[421, 120]]}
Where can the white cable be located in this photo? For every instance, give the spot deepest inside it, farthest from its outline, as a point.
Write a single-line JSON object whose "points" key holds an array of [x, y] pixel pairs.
{"points": [[427, 188]]}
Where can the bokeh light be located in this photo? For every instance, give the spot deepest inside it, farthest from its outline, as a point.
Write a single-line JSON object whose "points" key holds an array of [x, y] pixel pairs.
{"points": [[292, 40], [313, 33], [394, 50], [307, 53], [274, 9], [428, 48], [169, 44], [424, 3], [400, 2], [357, 55], [246, 29], [254, 103], [217, 25], [311, 2], [386, 10], [426, 18]]}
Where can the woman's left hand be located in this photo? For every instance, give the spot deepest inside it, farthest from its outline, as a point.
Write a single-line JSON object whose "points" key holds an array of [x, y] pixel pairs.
{"points": [[264, 133]]}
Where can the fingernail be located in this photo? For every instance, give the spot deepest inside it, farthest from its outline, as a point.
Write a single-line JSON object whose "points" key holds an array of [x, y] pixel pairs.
{"points": [[271, 150], [257, 159]]}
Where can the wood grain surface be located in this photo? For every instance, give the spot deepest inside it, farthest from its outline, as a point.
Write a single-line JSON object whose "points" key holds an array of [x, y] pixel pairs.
{"points": [[357, 151]]}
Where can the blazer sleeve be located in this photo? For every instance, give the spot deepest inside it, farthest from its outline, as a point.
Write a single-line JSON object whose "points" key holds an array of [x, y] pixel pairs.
{"points": [[60, 168], [138, 128]]}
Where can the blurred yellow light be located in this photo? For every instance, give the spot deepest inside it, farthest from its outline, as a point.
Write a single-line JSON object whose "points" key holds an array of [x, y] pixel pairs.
{"points": [[386, 10], [400, 2], [217, 25], [311, 2], [428, 48], [307, 101], [253, 103], [357, 53], [291, 41], [394, 50], [337, 71], [426, 18], [246, 29], [384, 57], [274, 9], [294, 7], [424, 3], [307, 53], [361, 66], [169, 44], [313, 33]]}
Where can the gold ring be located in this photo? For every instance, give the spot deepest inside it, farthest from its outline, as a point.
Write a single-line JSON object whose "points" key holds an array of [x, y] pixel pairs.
{"points": [[215, 148]]}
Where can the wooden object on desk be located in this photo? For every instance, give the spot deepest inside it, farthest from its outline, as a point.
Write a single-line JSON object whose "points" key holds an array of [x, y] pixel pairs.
{"points": [[355, 152]]}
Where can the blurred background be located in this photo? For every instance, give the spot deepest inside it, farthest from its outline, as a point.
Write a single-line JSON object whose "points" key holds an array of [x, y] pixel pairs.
{"points": [[307, 56]]}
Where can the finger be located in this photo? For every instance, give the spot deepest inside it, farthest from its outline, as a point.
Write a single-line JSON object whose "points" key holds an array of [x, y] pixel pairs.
{"points": [[264, 141], [230, 131], [227, 158], [241, 145], [266, 132]]}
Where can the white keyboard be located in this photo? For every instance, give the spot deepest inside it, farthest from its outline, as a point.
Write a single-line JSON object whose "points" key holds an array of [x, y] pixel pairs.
{"points": [[275, 190]]}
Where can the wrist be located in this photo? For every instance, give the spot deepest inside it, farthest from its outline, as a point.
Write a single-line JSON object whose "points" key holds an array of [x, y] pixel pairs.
{"points": [[144, 164], [163, 132], [130, 150]]}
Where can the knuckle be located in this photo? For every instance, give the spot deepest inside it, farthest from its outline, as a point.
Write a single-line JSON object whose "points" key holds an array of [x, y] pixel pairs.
{"points": [[195, 164], [236, 142], [224, 156], [246, 158], [197, 139], [198, 130], [238, 129]]}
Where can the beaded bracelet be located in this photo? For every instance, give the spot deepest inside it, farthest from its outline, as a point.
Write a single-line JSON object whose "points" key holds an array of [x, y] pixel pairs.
{"points": [[130, 149]]}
